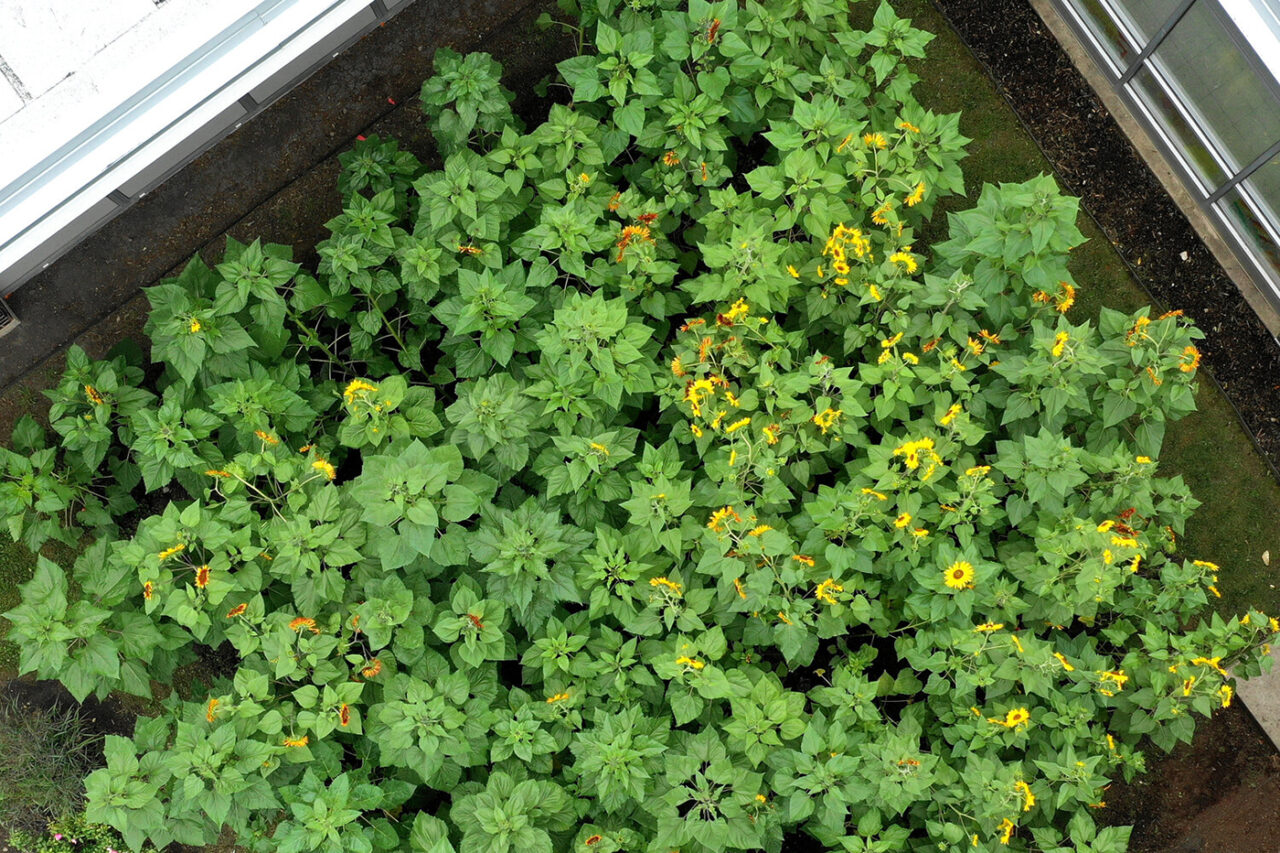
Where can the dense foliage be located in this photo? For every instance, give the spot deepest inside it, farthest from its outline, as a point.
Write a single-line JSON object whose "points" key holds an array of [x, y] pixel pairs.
{"points": [[637, 483]]}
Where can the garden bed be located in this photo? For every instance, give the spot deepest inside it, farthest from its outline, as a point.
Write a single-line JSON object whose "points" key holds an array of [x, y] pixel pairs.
{"points": [[1183, 450]]}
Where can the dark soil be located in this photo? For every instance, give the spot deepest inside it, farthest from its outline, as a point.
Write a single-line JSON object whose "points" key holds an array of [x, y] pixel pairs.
{"points": [[1221, 793]]}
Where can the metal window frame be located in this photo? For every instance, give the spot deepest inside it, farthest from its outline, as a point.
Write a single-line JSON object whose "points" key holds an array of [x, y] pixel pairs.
{"points": [[58, 226]]}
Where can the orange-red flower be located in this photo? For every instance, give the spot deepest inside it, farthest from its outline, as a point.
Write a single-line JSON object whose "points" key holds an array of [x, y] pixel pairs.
{"points": [[238, 610], [202, 577], [301, 622], [632, 234]]}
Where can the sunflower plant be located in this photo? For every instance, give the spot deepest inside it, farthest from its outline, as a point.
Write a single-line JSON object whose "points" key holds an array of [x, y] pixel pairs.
{"points": [[640, 481]]}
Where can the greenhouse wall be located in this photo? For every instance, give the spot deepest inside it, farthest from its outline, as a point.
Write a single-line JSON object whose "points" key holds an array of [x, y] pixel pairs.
{"points": [[1203, 79]]}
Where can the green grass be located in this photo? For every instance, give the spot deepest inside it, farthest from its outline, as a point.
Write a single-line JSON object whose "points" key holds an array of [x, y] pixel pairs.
{"points": [[1210, 448], [16, 567]]}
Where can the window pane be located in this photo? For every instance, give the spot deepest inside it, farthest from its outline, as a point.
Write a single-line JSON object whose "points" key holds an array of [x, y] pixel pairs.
{"points": [[1109, 35], [1248, 221], [1145, 16], [1189, 145], [1228, 93]]}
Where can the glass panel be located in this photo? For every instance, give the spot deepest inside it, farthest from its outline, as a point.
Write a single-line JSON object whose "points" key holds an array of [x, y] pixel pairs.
{"points": [[1145, 16], [1108, 34], [1189, 145], [1264, 186], [1239, 208], [1227, 92]]}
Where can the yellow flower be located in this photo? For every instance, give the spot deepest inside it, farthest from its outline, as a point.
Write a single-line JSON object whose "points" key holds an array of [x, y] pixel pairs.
{"points": [[891, 342], [93, 396], [355, 387], [693, 663], [804, 558], [792, 271], [920, 532], [1028, 798], [1015, 717], [977, 471], [1066, 299], [217, 472], [911, 358], [756, 531], [194, 326], [1006, 830], [148, 589], [782, 617], [844, 142], [880, 215], [1215, 663], [737, 584], [1205, 564], [696, 430], [1187, 685], [668, 584], [324, 467], [720, 516], [904, 260], [1060, 344], [873, 493], [825, 590], [874, 292], [1142, 460], [300, 741], [266, 437], [917, 195], [827, 419], [1111, 743], [169, 552], [1063, 660], [558, 697], [951, 414], [874, 140], [1117, 678], [1225, 693], [987, 627], [738, 311], [959, 575], [1189, 360], [737, 425], [1106, 525], [902, 520], [210, 709], [599, 448]]}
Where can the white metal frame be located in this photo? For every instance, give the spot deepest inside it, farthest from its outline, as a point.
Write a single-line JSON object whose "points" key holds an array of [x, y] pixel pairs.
{"points": [[169, 122]]}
